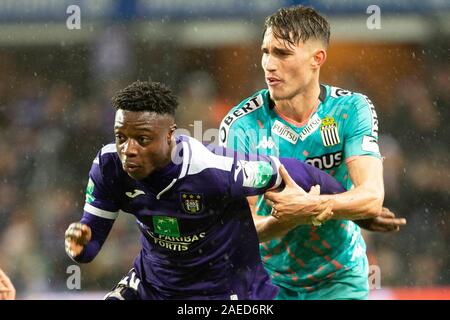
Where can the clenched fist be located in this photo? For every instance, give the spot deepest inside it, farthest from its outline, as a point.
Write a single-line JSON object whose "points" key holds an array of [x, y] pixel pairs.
{"points": [[7, 290], [76, 237]]}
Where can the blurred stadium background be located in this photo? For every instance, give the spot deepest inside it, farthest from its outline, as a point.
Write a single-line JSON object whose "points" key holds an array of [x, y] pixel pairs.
{"points": [[55, 114]]}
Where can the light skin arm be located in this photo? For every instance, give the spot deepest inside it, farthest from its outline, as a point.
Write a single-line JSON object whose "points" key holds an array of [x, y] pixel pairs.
{"points": [[385, 222], [363, 201], [269, 227]]}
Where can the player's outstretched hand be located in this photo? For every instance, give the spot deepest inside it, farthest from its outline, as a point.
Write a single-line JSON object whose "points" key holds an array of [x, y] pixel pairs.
{"points": [[386, 221], [76, 237], [294, 203], [7, 290]]}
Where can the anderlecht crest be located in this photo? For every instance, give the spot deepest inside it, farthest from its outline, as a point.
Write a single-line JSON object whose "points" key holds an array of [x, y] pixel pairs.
{"points": [[192, 202]]}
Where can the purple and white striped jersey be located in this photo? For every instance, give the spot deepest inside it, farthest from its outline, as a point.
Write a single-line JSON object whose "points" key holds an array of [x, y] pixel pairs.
{"points": [[198, 237]]}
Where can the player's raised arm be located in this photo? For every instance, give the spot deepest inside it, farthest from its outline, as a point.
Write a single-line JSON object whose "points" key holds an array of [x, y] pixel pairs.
{"points": [[84, 239]]}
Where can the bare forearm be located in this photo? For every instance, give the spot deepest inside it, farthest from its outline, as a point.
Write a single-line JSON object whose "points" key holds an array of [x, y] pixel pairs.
{"points": [[358, 203], [269, 228]]}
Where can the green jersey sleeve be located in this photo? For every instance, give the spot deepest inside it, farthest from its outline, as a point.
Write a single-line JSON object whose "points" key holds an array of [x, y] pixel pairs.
{"points": [[361, 131], [236, 139], [236, 130]]}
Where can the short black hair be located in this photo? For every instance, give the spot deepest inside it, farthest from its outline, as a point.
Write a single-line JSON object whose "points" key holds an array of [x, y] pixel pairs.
{"points": [[298, 23], [146, 96]]}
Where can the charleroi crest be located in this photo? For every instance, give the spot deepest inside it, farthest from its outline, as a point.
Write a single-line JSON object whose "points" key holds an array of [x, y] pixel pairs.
{"points": [[192, 202], [329, 132]]}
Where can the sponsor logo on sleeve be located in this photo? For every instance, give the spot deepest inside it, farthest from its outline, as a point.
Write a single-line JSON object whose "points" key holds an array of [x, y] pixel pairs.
{"points": [[374, 117], [256, 174], [336, 92], [90, 191], [251, 105], [370, 144]]}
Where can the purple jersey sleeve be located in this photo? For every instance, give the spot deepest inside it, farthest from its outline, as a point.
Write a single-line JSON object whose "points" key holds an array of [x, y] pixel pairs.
{"points": [[101, 208], [99, 192], [255, 174], [243, 175], [307, 176], [100, 228]]}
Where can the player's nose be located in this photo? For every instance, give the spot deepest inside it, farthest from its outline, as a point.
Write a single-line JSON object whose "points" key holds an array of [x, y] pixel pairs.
{"points": [[268, 63], [129, 148]]}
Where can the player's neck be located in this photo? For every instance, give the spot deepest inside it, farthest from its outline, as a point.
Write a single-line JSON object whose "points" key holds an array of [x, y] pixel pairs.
{"points": [[300, 107], [167, 162]]}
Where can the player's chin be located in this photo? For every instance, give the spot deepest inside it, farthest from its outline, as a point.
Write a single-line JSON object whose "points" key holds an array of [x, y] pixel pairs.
{"points": [[136, 174], [277, 94]]}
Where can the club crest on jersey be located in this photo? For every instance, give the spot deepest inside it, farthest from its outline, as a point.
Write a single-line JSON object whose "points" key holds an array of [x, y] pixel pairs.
{"points": [[329, 132], [192, 202]]}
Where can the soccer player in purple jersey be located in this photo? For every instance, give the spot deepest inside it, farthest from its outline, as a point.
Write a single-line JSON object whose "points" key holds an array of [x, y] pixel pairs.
{"points": [[198, 237]]}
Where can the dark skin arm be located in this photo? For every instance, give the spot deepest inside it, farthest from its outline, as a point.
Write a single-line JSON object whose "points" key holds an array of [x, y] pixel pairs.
{"points": [[76, 237]]}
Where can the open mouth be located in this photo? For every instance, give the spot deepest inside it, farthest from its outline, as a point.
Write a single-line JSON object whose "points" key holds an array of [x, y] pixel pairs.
{"points": [[271, 81]]}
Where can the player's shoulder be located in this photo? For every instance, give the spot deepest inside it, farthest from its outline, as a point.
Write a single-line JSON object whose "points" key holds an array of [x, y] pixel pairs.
{"points": [[340, 96], [107, 153], [190, 145], [107, 159], [247, 109], [199, 157], [195, 151]]}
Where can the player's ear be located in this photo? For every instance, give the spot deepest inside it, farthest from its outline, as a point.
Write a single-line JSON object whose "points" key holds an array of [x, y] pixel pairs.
{"points": [[319, 56], [172, 129]]}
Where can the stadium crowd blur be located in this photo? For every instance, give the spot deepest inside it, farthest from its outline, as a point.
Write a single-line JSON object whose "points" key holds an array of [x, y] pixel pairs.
{"points": [[55, 114]]}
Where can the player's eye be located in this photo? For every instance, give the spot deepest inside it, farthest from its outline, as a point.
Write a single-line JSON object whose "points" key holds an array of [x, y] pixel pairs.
{"points": [[119, 138], [144, 140], [283, 53]]}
